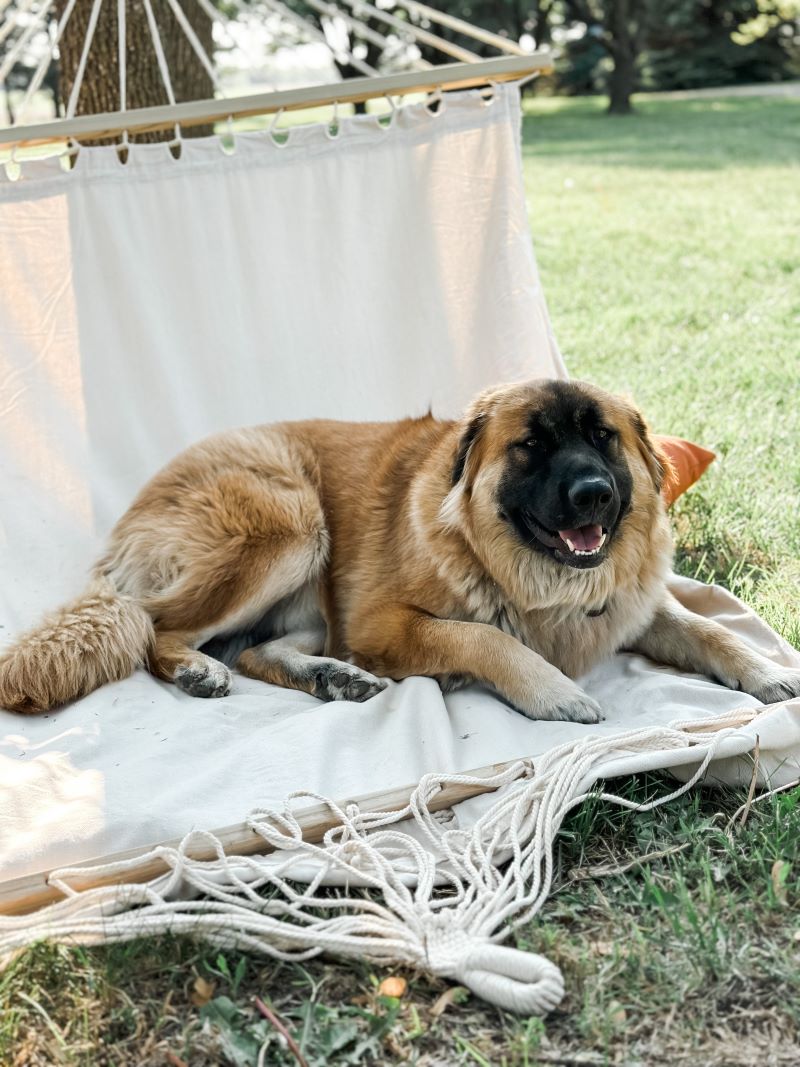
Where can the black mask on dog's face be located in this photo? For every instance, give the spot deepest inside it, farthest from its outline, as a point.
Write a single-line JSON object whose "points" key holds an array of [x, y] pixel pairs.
{"points": [[567, 485]]}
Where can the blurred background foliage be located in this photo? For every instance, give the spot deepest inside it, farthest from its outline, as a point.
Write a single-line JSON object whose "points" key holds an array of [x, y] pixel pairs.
{"points": [[621, 46]]}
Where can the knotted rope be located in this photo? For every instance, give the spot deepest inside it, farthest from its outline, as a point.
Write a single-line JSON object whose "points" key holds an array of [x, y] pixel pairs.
{"points": [[445, 897]]}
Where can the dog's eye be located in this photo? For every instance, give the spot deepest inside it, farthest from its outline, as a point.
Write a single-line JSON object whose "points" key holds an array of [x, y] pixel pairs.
{"points": [[602, 436]]}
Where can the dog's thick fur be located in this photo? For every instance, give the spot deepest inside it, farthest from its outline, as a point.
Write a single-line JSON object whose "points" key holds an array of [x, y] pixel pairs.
{"points": [[327, 556]]}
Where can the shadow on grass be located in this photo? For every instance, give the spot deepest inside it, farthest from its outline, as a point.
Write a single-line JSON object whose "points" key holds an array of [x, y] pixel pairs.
{"points": [[666, 134]]}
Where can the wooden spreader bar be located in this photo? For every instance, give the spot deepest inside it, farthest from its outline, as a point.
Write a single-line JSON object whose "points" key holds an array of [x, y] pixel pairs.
{"points": [[351, 91], [19, 896]]}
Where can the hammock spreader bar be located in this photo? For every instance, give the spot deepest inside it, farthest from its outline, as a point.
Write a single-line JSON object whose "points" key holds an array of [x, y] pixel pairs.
{"points": [[351, 91]]}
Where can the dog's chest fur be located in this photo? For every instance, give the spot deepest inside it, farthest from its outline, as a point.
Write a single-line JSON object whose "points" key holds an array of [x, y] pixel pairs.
{"points": [[572, 638]]}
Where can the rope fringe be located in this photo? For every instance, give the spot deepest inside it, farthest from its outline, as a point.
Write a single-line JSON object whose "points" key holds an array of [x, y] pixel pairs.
{"points": [[447, 895]]}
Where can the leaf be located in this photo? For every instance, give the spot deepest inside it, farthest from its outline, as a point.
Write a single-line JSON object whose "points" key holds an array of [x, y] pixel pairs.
{"points": [[241, 1042], [456, 994], [239, 973], [616, 1013], [202, 992], [221, 1009], [601, 948]]}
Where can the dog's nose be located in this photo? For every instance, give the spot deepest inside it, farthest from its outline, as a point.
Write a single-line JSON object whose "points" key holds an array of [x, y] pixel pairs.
{"points": [[590, 491]]}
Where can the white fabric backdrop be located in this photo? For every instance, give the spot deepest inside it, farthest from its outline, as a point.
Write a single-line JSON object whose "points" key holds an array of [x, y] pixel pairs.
{"points": [[144, 306]]}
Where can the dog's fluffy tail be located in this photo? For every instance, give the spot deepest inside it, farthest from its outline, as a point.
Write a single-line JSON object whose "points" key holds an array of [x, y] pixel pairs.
{"points": [[100, 637]]}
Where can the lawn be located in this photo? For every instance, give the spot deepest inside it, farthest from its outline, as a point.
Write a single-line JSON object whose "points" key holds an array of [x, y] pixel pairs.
{"points": [[669, 249]]}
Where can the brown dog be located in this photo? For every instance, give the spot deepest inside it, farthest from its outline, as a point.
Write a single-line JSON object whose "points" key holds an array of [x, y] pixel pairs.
{"points": [[517, 547]]}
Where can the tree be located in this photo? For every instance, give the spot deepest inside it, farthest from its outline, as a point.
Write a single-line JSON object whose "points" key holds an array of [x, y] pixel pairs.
{"points": [[622, 39], [620, 45], [614, 31], [697, 43], [100, 89]]}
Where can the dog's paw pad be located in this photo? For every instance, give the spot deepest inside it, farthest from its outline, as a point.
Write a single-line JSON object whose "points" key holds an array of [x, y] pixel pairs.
{"points": [[204, 680], [343, 682]]}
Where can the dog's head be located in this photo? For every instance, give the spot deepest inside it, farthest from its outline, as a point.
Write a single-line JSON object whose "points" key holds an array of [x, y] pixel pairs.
{"points": [[557, 466]]}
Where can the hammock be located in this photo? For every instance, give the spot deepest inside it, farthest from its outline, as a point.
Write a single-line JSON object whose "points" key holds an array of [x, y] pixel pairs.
{"points": [[371, 274]]}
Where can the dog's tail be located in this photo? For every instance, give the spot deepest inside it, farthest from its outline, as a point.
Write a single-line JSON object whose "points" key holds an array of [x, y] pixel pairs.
{"points": [[100, 637]]}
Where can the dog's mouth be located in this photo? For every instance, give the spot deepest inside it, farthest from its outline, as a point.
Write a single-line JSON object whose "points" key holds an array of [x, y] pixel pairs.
{"points": [[583, 546]]}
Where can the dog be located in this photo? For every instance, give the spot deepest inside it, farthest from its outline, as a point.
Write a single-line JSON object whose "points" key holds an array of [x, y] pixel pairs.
{"points": [[515, 548]]}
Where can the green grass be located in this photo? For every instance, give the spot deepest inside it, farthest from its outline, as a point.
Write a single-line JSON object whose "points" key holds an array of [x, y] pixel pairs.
{"points": [[668, 247]]}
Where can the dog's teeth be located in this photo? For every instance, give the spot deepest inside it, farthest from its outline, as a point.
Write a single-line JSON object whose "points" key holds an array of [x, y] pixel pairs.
{"points": [[583, 551]]}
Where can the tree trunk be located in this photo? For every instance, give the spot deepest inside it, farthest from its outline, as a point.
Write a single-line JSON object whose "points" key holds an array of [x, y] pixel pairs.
{"points": [[621, 84], [622, 46], [100, 90]]}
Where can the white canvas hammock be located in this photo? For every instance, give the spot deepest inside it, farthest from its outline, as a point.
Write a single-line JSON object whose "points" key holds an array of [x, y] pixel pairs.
{"points": [[368, 275]]}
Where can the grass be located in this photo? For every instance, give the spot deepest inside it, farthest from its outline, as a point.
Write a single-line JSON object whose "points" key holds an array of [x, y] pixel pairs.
{"points": [[672, 272], [667, 244]]}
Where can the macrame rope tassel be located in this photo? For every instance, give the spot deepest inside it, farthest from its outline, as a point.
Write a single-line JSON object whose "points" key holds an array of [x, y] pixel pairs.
{"points": [[522, 982], [441, 899]]}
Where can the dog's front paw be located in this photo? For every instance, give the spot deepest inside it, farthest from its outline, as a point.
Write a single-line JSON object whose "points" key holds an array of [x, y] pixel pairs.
{"points": [[564, 703], [580, 708], [772, 684], [203, 677], [342, 681]]}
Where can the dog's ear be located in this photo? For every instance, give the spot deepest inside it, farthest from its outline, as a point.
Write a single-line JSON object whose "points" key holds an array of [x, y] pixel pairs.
{"points": [[658, 462], [469, 436]]}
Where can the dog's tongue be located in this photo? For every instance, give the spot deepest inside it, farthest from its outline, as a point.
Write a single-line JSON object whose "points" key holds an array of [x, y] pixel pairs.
{"points": [[584, 539]]}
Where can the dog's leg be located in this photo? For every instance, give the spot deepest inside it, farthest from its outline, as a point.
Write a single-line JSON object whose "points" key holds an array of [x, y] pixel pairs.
{"points": [[270, 578], [294, 661], [402, 642], [228, 547], [173, 659], [679, 638]]}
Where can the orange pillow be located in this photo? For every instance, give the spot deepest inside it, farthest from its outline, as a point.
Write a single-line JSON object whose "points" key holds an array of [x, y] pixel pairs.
{"points": [[687, 462]]}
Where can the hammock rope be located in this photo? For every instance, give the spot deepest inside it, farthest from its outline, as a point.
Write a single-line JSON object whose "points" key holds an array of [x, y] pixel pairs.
{"points": [[343, 56], [444, 902], [504, 44], [332, 12], [155, 36], [122, 53], [194, 41], [13, 21], [81, 71], [44, 65], [21, 43], [419, 35]]}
